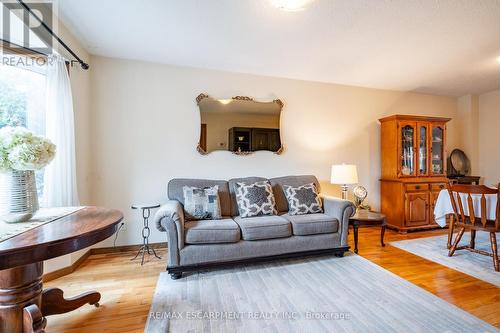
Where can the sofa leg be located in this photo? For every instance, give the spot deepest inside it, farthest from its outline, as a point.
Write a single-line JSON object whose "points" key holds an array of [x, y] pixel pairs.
{"points": [[175, 276], [339, 254]]}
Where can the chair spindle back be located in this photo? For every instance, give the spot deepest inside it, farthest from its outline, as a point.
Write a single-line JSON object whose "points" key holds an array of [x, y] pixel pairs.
{"points": [[458, 192]]}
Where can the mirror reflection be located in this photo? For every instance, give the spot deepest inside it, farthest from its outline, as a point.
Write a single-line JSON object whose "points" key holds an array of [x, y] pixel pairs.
{"points": [[239, 125]]}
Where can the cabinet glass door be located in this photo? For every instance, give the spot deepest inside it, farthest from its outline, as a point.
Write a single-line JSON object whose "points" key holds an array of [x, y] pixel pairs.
{"points": [[437, 150], [422, 149], [407, 150]]}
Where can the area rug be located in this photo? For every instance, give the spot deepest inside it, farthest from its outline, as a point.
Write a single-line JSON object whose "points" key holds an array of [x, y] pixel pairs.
{"points": [[321, 294], [473, 264]]}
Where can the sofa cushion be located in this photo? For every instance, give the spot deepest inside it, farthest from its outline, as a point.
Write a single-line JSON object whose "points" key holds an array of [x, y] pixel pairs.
{"points": [[279, 194], [201, 203], [232, 190], [303, 199], [174, 191], [311, 224], [263, 227], [255, 199], [212, 231]]}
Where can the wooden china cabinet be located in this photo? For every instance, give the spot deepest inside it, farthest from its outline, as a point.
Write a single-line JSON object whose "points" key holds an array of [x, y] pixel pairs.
{"points": [[413, 170]]}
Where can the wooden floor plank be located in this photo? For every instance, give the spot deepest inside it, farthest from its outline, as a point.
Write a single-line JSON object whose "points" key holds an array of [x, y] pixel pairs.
{"points": [[127, 288]]}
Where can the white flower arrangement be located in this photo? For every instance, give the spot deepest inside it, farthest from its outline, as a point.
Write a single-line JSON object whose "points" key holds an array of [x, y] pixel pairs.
{"points": [[20, 149]]}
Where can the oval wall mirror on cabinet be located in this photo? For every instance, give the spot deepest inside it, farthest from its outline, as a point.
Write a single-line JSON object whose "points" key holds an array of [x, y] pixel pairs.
{"points": [[239, 125]]}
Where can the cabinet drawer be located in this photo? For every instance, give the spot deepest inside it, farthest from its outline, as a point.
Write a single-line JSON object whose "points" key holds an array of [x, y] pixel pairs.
{"points": [[416, 187], [438, 186]]}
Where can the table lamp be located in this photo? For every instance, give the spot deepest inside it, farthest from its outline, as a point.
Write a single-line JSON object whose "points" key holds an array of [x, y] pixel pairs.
{"points": [[344, 174]]}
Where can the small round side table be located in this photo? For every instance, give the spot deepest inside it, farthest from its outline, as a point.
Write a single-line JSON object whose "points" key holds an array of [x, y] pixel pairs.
{"points": [[146, 213], [365, 218]]}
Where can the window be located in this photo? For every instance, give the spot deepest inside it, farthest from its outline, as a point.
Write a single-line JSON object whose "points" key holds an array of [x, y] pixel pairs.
{"points": [[22, 80], [22, 99]]}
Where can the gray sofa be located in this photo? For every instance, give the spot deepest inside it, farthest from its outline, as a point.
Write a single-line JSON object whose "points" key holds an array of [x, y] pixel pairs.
{"points": [[197, 245]]}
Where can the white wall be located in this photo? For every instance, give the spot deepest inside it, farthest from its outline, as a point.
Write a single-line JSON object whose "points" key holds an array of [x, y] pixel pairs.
{"points": [[468, 128], [489, 137], [145, 127]]}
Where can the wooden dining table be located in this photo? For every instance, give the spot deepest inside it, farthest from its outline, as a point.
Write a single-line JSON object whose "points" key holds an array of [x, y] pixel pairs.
{"points": [[24, 304]]}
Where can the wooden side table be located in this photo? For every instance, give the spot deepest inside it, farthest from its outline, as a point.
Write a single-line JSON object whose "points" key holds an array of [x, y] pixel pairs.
{"points": [[365, 218]]}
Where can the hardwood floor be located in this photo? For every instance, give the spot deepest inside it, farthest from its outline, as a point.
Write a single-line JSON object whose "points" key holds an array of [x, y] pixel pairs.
{"points": [[127, 288]]}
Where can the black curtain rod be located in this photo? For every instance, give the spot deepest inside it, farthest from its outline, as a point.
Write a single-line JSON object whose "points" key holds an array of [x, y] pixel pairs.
{"points": [[80, 61]]}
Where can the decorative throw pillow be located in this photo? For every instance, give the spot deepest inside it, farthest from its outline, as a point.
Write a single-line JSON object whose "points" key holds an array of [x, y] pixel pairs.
{"points": [[303, 199], [201, 203], [255, 199]]}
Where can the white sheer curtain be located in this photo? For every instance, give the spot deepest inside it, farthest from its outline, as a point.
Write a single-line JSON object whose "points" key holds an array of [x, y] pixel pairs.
{"points": [[60, 175]]}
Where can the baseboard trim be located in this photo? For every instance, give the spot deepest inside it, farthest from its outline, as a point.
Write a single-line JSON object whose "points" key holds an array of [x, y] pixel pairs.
{"points": [[103, 250], [125, 248], [66, 270]]}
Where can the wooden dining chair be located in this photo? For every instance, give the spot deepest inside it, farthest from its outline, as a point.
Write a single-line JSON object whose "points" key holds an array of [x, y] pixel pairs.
{"points": [[474, 221]]}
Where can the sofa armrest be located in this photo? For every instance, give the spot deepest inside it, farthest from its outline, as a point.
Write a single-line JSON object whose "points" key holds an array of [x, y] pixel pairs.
{"points": [[342, 210], [170, 218]]}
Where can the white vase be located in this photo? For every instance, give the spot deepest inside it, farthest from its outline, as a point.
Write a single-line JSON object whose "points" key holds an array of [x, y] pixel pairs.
{"points": [[18, 196]]}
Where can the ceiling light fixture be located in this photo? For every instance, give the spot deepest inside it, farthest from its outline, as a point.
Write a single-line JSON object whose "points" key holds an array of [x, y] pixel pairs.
{"points": [[291, 5], [498, 59], [225, 101]]}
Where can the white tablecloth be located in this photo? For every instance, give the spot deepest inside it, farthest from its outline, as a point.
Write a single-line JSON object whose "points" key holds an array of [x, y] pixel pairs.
{"points": [[443, 206]]}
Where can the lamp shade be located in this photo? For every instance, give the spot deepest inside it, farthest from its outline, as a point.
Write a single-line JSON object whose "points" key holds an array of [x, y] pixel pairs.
{"points": [[344, 174]]}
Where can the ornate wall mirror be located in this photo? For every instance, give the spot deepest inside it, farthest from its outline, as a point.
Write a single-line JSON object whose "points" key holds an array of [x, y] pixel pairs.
{"points": [[239, 125]]}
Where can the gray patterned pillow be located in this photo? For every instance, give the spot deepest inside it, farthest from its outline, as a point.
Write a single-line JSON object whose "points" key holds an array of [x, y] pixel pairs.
{"points": [[255, 199], [303, 199], [201, 203]]}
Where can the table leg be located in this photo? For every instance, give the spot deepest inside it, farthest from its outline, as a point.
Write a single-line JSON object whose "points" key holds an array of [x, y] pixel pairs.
{"points": [[154, 253], [53, 301], [146, 213], [494, 250], [146, 234], [143, 254], [382, 233], [472, 239], [20, 287], [138, 253], [33, 320], [355, 227], [23, 304]]}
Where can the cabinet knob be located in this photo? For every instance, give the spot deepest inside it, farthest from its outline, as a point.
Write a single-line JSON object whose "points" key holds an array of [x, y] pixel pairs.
{"points": [[441, 186], [417, 187]]}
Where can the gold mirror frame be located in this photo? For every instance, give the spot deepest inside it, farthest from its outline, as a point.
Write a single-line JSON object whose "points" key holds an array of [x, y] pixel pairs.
{"points": [[240, 98]]}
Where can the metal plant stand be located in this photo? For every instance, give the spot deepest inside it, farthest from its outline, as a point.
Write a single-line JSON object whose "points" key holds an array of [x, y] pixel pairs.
{"points": [[146, 213]]}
